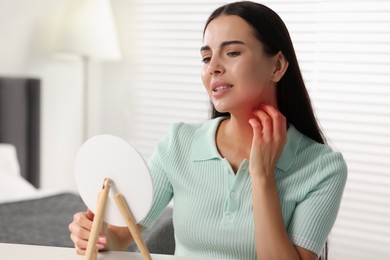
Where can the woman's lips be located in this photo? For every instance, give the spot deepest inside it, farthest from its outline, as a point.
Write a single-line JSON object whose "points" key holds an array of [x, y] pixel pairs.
{"points": [[220, 90]]}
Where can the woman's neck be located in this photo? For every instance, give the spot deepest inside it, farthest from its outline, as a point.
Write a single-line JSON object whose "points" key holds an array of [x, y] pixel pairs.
{"points": [[234, 140], [239, 130]]}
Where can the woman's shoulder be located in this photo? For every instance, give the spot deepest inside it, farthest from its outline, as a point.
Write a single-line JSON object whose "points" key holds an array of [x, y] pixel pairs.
{"points": [[180, 138], [181, 133], [328, 159], [184, 126], [310, 146], [182, 129]]}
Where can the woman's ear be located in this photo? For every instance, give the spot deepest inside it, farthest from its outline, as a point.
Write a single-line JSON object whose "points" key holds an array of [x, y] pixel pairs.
{"points": [[281, 65]]}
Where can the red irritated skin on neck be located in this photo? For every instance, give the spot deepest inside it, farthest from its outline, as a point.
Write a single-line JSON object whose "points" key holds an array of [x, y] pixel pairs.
{"points": [[219, 88]]}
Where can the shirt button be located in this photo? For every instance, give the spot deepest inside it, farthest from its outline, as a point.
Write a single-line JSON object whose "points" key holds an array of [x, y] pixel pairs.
{"points": [[233, 194], [229, 216], [226, 170]]}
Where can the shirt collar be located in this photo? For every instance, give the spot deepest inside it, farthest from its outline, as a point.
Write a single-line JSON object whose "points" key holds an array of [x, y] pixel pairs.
{"points": [[204, 147]]}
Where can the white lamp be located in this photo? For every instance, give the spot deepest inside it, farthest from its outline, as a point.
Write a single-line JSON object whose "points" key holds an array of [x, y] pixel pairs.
{"points": [[88, 30]]}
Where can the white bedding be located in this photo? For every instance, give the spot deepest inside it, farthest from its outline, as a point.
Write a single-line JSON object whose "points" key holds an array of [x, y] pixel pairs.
{"points": [[8, 160], [14, 186]]}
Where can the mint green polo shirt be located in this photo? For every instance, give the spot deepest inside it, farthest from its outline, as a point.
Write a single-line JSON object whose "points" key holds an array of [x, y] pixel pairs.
{"points": [[213, 213]]}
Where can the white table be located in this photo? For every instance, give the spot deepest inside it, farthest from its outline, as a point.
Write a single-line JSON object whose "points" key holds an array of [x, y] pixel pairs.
{"points": [[28, 252]]}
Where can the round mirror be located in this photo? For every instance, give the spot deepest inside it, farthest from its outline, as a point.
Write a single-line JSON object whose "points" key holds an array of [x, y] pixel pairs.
{"points": [[107, 156]]}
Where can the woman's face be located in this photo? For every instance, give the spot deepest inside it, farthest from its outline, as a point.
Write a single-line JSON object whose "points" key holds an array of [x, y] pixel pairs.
{"points": [[236, 71]]}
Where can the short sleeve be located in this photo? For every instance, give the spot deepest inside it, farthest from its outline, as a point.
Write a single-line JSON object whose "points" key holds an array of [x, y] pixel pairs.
{"points": [[162, 188], [316, 214]]}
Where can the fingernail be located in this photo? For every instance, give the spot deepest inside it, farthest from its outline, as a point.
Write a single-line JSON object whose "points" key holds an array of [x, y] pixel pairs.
{"points": [[90, 215], [99, 246], [102, 239]]}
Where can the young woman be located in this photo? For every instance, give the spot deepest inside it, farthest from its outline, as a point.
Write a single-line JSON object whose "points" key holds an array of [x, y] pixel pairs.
{"points": [[256, 181]]}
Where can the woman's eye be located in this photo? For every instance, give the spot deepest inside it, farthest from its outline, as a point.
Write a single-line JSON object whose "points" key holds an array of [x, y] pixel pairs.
{"points": [[206, 59], [233, 53]]}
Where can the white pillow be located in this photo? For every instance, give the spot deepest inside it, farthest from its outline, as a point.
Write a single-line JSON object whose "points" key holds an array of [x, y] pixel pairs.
{"points": [[9, 160], [13, 186]]}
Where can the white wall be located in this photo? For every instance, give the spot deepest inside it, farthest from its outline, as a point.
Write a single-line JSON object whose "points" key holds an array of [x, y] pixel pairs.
{"points": [[28, 32], [24, 52]]}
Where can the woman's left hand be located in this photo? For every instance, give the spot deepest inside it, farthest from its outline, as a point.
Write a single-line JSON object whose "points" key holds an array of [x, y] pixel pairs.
{"points": [[269, 138]]}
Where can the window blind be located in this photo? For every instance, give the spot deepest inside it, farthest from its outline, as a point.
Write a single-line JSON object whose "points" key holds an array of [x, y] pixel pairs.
{"points": [[351, 93], [343, 48]]}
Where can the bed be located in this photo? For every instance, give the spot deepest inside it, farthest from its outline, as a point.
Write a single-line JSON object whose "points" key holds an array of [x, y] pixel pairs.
{"points": [[29, 215]]}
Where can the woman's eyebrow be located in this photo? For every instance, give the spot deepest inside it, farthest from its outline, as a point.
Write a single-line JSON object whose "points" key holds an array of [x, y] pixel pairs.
{"points": [[223, 44]]}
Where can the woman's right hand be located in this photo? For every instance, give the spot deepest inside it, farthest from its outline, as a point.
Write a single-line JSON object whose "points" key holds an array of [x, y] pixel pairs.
{"points": [[80, 229]]}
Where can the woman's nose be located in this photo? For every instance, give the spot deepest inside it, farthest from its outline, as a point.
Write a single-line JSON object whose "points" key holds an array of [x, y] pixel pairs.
{"points": [[215, 67]]}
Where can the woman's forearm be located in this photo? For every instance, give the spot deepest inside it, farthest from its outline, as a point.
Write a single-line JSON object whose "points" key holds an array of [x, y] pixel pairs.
{"points": [[271, 237]]}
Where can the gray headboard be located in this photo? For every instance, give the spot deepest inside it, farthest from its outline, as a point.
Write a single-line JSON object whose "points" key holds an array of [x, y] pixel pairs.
{"points": [[20, 122]]}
